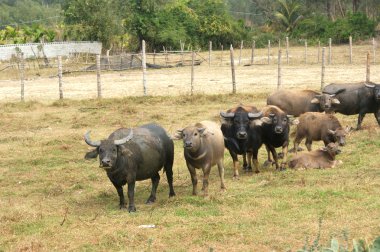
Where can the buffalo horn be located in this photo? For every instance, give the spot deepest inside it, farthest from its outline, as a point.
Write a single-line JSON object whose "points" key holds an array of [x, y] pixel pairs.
{"points": [[125, 139], [369, 85], [88, 140], [227, 115], [254, 115]]}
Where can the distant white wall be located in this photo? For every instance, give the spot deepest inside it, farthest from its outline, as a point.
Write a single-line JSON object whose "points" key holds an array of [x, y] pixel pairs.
{"points": [[50, 49]]}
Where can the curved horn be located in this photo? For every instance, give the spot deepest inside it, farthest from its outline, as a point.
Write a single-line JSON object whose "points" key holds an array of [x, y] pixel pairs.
{"points": [[227, 115], [332, 95], [369, 85], [255, 115], [88, 140], [271, 115], [125, 139]]}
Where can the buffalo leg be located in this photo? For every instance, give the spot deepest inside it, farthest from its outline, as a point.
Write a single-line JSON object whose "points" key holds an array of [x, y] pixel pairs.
{"points": [[168, 167], [236, 164], [269, 160], [249, 158], [206, 174], [120, 192], [155, 180], [255, 161], [297, 142], [360, 120], [194, 179], [274, 154], [221, 173], [377, 116], [308, 143], [285, 151], [131, 197]]}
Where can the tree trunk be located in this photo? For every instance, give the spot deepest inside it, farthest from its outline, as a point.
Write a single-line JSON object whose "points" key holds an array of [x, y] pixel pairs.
{"points": [[330, 9], [355, 5]]}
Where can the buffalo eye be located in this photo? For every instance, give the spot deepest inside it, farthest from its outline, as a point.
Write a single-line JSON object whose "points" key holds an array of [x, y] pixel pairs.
{"points": [[101, 150], [114, 150], [195, 134]]}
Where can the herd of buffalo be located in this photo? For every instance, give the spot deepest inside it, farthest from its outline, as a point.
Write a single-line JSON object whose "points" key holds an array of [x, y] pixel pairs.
{"points": [[130, 155]]}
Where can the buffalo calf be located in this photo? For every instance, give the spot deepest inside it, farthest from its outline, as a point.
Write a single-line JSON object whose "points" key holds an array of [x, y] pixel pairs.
{"points": [[203, 148], [316, 126], [323, 158]]}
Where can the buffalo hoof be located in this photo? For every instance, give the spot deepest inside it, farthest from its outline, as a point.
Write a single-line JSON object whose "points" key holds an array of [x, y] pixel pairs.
{"points": [[268, 163], [131, 209], [171, 194], [280, 155], [235, 177], [257, 171], [123, 207], [247, 169], [151, 200]]}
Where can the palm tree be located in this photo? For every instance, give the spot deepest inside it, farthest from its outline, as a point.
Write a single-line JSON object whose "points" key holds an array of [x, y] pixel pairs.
{"points": [[288, 14]]}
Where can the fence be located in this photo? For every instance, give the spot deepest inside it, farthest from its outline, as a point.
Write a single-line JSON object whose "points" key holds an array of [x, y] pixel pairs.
{"points": [[174, 73]]}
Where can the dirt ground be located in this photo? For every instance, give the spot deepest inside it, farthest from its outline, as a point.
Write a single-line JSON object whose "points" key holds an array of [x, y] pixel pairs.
{"points": [[213, 79]]}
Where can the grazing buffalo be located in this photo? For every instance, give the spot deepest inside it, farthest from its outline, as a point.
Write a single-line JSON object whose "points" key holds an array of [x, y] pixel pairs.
{"points": [[275, 132], [133, 155], [323, 158], [235, 128], [295, 102], [351, 99], [316, 126], [203, 148]]}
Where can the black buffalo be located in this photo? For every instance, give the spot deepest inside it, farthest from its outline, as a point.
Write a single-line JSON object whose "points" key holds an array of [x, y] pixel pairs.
{"points": [[351, 99], [275, 133], [235, 129], [295, 102], [130, 155]]}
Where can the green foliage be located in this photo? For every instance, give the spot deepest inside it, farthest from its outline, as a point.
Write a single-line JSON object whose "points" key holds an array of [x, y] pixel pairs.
{"points": [[288, 14], [357, 25]]}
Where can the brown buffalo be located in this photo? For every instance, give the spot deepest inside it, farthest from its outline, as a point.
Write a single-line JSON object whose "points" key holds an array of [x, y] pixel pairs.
{"points": [[203, 148], [316, 126], [295, 102], [323, 158]]}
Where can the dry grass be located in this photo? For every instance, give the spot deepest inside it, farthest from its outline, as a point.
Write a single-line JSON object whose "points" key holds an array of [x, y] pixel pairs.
{"points": [[52, 199]]}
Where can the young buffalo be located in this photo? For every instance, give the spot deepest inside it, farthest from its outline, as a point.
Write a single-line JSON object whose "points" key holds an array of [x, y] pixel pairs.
{"points": [[323, 158], [203, 148], [316, 126]]}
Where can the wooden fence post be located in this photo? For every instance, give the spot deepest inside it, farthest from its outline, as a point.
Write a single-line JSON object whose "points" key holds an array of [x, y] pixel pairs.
{"points": [[319, 49], [221, 57], [330, 51], [182, 49], [241, 49], [368, 68], [305, 51], [374, 50], [350, 40], [60, 77], [268, 52], [99, 84], [287, 50], [323, 68], [209, 53], [143, 59], [108, 59], [279, 70], [22, 75], [233, 70], [192, 72], [253, 52]]}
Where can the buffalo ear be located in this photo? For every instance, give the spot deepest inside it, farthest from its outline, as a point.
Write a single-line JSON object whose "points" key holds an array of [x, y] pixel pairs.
{"points": [[266, 120], [178, 135], [314, 100], [91, 154], [295, 121], [201, 131], [335, 101]]}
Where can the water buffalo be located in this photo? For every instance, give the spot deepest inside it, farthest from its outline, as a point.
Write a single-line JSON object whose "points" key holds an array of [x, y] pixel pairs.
{"points": [[315, 126], [353, 98], [133, 155], [235, 125], [323, 158], [275, 133], [203, 145], [295, 102]]}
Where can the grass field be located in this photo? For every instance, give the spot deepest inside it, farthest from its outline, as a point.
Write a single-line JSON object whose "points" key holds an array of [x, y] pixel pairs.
{"points": [[53, 199]]}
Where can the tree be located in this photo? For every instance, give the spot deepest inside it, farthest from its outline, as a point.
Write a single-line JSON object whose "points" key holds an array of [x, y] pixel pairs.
{"points": [[288, 14], [96, 19]]}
